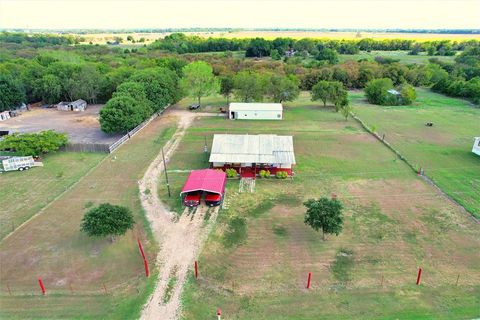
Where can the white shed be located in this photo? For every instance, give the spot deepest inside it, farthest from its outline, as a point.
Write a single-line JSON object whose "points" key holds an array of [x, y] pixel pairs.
{"points": [[4, 115], [77, 105], [476, 146], [255, 111]]}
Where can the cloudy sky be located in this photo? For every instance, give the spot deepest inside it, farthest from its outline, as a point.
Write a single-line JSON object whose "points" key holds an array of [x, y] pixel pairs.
{"points": [[56, 14]]}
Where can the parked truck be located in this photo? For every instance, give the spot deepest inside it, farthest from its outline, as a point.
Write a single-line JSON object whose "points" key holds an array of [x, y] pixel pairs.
{"points": [[11, 163]]}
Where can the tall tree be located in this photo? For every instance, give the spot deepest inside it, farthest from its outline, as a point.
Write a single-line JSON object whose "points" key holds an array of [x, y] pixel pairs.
{"points": [[283, 88], [226, 86], [50, 88], [249, 86], [198, 80], [123, 113], [321, 91], [325, 214], [12, 92]]}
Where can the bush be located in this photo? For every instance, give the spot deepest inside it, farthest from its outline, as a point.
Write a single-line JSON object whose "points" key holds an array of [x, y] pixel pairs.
{"points": [[281, 175], [107, 220], [231, 173], [264, 174], [34, 144]]}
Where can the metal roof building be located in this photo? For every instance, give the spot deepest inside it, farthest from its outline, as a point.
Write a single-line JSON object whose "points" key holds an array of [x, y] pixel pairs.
{"points": [[208, 180], [259, 111], [248, 149], [77, 105]]}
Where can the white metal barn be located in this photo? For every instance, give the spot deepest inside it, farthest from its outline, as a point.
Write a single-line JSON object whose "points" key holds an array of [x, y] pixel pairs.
{"points": [[476, 146], [248, 154], [256, 111]]}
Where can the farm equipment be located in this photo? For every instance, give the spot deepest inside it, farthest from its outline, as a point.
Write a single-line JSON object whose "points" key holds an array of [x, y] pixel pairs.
{"points": [[429, 124], [11, 163]]}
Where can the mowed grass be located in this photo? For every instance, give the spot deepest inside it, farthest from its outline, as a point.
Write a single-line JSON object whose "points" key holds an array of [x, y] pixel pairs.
{"points": [[444, 150], [403, 56], [52, 247], [22, 194], [256, 260]]}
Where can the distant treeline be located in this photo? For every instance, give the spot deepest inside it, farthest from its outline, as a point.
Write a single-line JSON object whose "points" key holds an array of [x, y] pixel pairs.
{"points": [[259, 47], [38, 39]]}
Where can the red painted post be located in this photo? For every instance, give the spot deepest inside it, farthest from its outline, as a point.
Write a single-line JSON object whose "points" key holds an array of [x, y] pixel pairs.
{"points": [[40, 282], [196, 269], [419, 275], [219, 313], [309, 281], [145, 262], [334, 196]]}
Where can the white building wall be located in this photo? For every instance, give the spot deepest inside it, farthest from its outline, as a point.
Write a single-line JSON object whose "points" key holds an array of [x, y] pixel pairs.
{"points": [[256, 115], [476, 146]]}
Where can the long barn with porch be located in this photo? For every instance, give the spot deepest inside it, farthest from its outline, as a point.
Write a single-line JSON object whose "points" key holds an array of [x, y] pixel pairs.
{"points": [[248, 154]]}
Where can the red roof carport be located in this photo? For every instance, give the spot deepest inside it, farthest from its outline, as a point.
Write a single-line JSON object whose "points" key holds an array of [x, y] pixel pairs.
{"points": [[205, 180]]}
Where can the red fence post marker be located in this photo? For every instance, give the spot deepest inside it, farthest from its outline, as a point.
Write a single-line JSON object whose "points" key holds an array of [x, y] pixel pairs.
{"points": [[219, 313], [145, 262], [419, 275], [40, 282], [334, 196], [196, 269], [309, 281]]}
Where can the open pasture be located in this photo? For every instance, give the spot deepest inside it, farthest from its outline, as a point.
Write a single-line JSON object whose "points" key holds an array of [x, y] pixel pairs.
{"points": [[394, 223], [73, 266], [444, 150]]}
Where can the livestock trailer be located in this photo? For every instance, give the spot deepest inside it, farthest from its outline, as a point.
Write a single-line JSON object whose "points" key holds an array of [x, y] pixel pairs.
{"points": [[11, 163]]}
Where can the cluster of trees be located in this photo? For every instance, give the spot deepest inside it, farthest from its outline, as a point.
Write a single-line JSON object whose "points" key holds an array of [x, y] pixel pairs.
{"points": [[260, 47], [33, 144], [379, 91], [135, 100], [248, 86], [461, 79]]}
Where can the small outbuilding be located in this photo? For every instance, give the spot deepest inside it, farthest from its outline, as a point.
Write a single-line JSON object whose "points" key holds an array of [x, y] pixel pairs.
{"points": [[248, 154], [77, 105], [255, 111], [208, 184], [476, 146], [5, 115]]}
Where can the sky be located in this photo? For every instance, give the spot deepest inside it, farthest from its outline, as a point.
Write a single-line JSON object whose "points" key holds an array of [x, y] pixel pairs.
{"points": [[123, 14]]}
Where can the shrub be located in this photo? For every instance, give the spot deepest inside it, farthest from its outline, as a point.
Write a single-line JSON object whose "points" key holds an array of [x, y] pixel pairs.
{"points": [[107, 220], [34, 144], [264, 173], [281, 175], [231, 173]]}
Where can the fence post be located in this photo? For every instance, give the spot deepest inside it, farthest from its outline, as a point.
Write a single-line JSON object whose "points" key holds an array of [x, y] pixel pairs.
{"points": [[196, 269], [419, 275], [145, 262], [42, 287], [309, 280]]}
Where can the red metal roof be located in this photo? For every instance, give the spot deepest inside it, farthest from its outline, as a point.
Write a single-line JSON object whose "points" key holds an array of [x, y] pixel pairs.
{"points": [[205, 180]]}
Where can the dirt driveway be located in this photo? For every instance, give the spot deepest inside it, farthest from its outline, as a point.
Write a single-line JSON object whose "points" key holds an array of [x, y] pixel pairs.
{"points": [[180, 240]]}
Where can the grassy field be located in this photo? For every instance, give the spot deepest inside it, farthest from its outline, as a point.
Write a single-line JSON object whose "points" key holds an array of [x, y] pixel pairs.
{"points": [[25, 193], [444, 150], [403, 56], [255, 262], [51, 245]]}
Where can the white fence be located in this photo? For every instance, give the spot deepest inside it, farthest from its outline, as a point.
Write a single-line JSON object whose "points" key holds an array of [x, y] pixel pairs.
{"points": [[134, 131]]}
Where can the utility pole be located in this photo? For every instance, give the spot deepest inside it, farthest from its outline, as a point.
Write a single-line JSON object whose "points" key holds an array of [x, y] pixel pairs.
{"points": [[166, 175], [205, 149]]}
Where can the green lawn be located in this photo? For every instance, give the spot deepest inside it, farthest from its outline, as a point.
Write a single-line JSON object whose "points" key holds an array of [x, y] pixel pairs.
{"points": [[444, 150], [51, 245], [403, 56], [255, 262], [24, 193]]}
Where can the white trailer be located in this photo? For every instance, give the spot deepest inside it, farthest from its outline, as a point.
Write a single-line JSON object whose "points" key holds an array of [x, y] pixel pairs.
{"points": [[476, 146], [11, 163]]}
